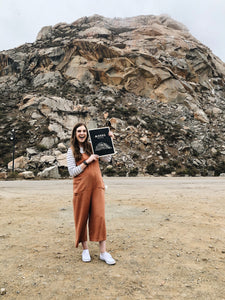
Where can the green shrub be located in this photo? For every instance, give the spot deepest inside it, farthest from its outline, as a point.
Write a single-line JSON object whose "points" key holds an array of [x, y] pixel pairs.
{"points": [[63, 171], [12, 175], [219, 168], [122, 173], [109, 172], [133, 172], [151, 169], [189, 170], [165, 170], [41, 148]]}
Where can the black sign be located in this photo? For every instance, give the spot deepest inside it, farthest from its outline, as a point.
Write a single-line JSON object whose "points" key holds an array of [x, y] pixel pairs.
{"points": [[101, 142]]}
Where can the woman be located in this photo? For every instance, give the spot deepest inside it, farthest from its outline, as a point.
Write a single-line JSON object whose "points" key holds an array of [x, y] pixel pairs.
{"points": [[88, 193]]}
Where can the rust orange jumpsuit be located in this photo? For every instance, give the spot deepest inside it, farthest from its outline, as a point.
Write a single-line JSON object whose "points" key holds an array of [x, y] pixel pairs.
{"points": [[89, 203]]}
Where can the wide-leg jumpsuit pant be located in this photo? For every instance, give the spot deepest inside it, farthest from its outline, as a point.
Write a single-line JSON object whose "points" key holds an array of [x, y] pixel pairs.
{"points": [[89, 203]]}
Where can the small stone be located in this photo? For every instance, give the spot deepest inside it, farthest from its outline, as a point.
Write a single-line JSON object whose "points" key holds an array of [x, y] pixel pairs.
{"points": [[204, 259], [3, 291]]}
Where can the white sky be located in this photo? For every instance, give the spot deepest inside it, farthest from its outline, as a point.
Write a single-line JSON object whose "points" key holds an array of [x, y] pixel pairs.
{"points": [[21, 20]]}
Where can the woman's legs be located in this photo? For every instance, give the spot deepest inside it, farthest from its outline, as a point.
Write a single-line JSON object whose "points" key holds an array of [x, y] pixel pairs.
{"points": [[102, 246], [85, 245], [85, 254], [81, 204], [105, 256], [97, 226]]}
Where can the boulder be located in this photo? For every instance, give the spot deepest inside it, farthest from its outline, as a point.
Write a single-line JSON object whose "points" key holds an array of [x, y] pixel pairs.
{"points": [[48, 142], [78, 69], [31, 151], [50, 159], [27, 174], [62, 160], [44, 33], [48, 79], [19, 163], [51, 172], [62, 147], [3, 175], [95, 31]]}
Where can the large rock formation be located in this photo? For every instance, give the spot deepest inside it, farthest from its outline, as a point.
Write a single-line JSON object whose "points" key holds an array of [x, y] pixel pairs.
{"points": [[160, 90]]}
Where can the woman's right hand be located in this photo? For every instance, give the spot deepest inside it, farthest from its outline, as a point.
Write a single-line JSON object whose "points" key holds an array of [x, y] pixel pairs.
{"points": [[92, 158]]}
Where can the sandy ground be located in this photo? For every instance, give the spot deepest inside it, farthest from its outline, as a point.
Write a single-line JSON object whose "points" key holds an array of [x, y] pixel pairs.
{"points": [[166, 234]]}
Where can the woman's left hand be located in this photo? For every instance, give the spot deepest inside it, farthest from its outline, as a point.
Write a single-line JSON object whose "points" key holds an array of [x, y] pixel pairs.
{"points": [[111, 134]]}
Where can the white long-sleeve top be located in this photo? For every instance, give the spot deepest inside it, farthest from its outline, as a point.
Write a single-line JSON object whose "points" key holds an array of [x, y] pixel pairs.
{"points": [[75, 170]]}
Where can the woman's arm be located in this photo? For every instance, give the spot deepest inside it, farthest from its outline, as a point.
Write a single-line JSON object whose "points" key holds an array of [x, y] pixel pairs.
{"points": [[73, 169]]}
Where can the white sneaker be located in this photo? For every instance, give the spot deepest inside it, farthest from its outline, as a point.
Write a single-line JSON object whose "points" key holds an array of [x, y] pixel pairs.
{"points": [[86, 256], [107, 258]]}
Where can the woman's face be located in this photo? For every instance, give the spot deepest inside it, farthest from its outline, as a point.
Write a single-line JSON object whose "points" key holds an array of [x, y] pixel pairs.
{"points": [[81, 134]]}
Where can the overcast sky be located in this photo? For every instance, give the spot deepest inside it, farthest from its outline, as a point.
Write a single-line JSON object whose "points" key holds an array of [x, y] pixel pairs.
{"points": [[21, 20]]}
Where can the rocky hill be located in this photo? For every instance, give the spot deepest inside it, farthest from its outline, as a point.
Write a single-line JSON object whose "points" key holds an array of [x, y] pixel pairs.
{"points": [[161, 91]]}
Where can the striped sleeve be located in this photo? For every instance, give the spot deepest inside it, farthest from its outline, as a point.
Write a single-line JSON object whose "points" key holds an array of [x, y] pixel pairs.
{"points": [[73, 169]]}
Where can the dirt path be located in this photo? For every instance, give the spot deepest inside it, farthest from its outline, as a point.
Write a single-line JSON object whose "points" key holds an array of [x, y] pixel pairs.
{"points": [[166, 234]]}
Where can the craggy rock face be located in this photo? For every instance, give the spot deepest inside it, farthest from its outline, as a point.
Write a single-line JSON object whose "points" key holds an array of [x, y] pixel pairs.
{"points": [[159, 88]]}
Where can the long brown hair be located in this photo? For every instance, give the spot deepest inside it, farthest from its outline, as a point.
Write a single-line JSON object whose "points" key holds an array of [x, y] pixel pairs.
{"points": [[75, 145]]}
